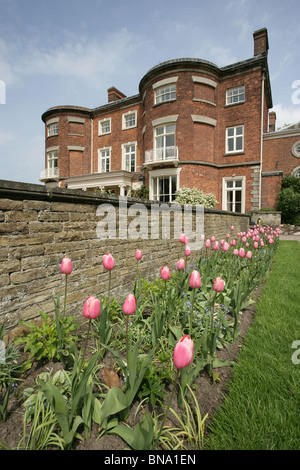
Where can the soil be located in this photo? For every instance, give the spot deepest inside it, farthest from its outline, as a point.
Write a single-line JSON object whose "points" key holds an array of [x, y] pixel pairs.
{"points": [[209, 394]]}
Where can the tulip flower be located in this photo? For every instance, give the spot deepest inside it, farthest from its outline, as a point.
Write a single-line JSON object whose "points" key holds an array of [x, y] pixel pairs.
{"points": [[232, 228], [216, 246], [66, 268], [195, 280], [249, 255], [187, 251], [182, 238], [241, 253], [235, 252], [183, 352], [219, 284], [66, 265], [225, 246], [207, 243], [91, 308], [180, 264], [138, 254], [108, 261], [129, 304], [165, 273]]}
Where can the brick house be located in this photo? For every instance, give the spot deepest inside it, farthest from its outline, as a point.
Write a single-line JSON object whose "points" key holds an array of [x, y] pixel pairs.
{"points": [[192, 124]]}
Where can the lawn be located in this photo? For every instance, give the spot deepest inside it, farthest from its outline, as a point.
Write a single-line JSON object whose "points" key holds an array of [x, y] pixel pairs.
{"points": [[261, 409]]}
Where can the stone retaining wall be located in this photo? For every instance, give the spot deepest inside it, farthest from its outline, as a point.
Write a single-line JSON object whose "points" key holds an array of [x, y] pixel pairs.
{"points": [[39, 226]]}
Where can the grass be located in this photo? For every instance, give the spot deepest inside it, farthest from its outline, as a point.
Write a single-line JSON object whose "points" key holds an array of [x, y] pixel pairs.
{"points": [[261, 410]]}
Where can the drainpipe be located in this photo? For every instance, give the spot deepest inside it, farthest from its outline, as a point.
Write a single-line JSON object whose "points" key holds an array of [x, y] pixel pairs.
{"points": [[261, 134], [92, 139]]}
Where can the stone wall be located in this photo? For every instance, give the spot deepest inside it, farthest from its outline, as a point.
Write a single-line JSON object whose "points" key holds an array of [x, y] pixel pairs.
{"points": [[40, 225]]}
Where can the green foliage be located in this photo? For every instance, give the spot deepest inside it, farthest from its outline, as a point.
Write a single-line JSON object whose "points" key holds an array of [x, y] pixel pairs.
{"points": [[141, 193], [194, 196], [288, 200], [47, 341]]}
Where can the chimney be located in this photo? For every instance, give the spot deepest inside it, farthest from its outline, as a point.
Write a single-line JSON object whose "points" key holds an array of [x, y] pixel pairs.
{"points": [[261, 43], [114, 94], [272, 121]]}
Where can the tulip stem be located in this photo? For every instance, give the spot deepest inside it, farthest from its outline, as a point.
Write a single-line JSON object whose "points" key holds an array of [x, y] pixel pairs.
{"points": [[85, 345], [65, 300], [167, 409], [127, 339]]}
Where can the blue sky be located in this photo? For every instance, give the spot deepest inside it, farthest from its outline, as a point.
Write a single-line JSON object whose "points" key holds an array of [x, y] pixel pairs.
{"points": [[71, 51]]}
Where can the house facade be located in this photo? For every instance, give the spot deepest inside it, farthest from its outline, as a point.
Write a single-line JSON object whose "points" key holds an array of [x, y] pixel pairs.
{"points": [[191, 124]]}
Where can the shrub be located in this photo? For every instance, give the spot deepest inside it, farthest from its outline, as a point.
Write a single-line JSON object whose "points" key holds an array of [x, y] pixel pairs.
{"points": [[288, 202], [195, 196]]}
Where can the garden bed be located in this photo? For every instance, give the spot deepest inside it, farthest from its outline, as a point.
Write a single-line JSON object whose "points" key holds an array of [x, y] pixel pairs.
{"points": [[202, 394]]}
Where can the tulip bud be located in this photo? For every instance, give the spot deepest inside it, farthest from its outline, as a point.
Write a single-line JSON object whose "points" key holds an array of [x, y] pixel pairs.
{"points": [[165, 273], [219, 284], [207, 243], [248, 254], [195, 280], [216, 246], [129, 304], [232, 228], [66, 265], [235, 252], [182, 238], [91, 308], [180, 264], [108, 261], [225, 246], [183, 352], [187, 251], [241, 253], [138, 254]]}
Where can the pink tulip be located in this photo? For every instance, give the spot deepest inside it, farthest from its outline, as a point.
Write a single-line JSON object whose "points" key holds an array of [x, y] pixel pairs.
{"points": [[180, 264], [232, 228], [216, 246], [203, 237], [182, 238], [227, 235], [138, 254], [195, 280], [91, 308], [248, 255], [165, 273], [108, 261], [183, 352], [129, 304], [219, 284], [187, 251], [213, 238], [241, 253], [66, 265], [225, 246], [207, 244], [255, 245], [244, 239], [235, 252]]}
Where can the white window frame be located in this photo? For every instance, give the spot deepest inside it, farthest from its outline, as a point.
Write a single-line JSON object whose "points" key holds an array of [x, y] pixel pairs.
{"points": [[165, 173], [235, 136], [164, 152], [165, 93], [101, 124], [104, 153], [52, 159], [130, 114], [235, 95], [52, 129], [130, 153], [226, 190]]}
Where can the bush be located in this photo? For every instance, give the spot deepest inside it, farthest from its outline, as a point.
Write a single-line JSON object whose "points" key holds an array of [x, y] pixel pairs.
{"points": [[195, 196], [288, 200]]}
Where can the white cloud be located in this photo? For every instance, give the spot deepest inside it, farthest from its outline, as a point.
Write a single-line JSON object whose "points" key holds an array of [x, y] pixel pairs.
{"points": [[286, 114], [5, 137]]}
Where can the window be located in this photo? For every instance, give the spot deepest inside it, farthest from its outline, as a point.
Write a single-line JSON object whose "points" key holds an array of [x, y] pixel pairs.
{"points": [[234, 194], [235, 95], [235, 139], [104, 159], [129, 156], [165, 142], [165, 93], [52, 160], [164, 188], [296, 149], [129, 120], [104, 126], [53, 129]]}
